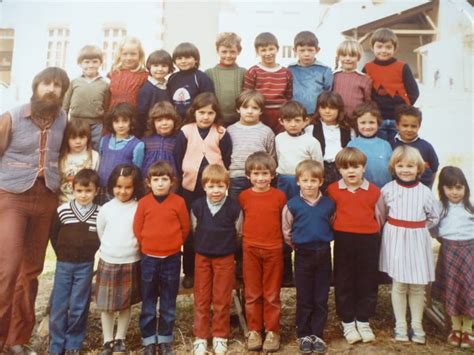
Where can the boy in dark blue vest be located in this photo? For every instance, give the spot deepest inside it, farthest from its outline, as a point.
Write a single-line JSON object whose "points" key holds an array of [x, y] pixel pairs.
{"points": [[306, 223], [217, 223]]}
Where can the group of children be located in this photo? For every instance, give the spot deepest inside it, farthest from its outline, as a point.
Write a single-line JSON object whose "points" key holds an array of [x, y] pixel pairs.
{"points": [[237, 169]]}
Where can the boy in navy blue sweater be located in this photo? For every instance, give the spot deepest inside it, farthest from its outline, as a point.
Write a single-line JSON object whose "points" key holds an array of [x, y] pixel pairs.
{"points": [[306, 222], [217, 223]]}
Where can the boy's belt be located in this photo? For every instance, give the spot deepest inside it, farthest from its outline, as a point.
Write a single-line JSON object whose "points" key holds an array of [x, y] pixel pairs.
{"points": [[406, 224]]}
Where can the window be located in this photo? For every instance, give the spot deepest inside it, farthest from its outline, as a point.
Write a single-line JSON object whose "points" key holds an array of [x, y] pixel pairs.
{"points": [[113, 34], [6, 54], [57, 47]]}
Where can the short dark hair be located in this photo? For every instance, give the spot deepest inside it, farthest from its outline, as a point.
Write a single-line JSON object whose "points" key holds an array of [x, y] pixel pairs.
{"points": [[406, 110], [265, 39], [52, 74], [122, 109], [333, 100], [250, 95], [163, 109], [260, 161], [90, 52], [84, 177], [187, 49], [306, 38], [384, 35], [292, 109], [161, 168], [205, 99], [350, 156], [126, 170], [366, 107], [160, 57]]}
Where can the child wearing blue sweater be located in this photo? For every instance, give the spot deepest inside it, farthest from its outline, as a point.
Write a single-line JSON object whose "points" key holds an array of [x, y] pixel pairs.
{"points": [[367, 120], [306, 223]]}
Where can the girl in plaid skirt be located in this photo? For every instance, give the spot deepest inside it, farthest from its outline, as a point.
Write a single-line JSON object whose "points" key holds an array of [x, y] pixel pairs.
{"points": [[118, 274], [454, 284]]}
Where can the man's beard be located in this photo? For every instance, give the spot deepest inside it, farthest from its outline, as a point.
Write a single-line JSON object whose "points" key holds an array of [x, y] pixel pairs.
{"points": [[45, 107]]}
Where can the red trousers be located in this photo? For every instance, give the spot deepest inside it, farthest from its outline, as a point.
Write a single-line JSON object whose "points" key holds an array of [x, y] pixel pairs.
{"points": [[214, 280], [25, 220], [263, 271], [270, 118]]}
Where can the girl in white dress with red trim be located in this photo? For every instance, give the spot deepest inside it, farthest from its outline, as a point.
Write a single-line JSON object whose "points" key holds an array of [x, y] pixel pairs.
{"points": [[406, 253]]}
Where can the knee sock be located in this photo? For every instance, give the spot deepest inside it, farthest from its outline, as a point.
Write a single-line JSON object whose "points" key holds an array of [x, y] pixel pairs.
{"points": [[399, 304], [122, 323], [107, 319], [416, 299], [466, 325]]}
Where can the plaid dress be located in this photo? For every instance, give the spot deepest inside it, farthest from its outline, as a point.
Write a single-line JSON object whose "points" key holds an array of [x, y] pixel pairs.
{"points": [[117, 286]]}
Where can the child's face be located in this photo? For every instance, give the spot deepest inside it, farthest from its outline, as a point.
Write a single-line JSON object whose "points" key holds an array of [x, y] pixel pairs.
{"points": [[90, 67], [348, 62], [408, 127], [367, 125], [406, 170], [455, 194], [121, 126], [260, 180], [160, 185], [309, 185], [249, 113], [130, 57], [328, 115], [185, 63], [228, 55], [205, 116], [77, 144], [384, 50], [306, 54], [84, 194], [294, 125], [164, 126], [215, 191], [159, 71], [123, 189], [268, 55], [353, 176]]}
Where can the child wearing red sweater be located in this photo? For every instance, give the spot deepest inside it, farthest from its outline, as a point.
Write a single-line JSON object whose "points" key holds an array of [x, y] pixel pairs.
{"points": [[262, 206], [161, 260], [357, 243]]}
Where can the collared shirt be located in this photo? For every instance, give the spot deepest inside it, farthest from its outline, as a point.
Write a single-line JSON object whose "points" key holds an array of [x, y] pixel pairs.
{"points": [[91, 80], [83, 209], [397, 137], [156, 83], [364, 186], [214, 207]]}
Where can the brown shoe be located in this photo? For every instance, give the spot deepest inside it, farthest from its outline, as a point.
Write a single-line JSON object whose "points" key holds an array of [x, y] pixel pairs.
{"points": [[467, 340], [272, 342], [454, 338], [254, 341]]}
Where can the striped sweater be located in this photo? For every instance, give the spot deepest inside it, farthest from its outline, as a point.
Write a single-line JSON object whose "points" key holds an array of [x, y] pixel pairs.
{"points": [[275, 84], [73, 235]]}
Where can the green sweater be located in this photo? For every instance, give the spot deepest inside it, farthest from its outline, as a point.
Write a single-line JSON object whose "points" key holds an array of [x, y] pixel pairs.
{"points": [[228, 85], [87, 100]]}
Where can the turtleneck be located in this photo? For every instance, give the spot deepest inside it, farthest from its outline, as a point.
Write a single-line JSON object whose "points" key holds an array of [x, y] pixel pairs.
{"points": [[411, 183]]}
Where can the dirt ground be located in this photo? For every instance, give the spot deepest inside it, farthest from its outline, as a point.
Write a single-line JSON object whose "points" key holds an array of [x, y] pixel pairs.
{"points": [[382, 324]]}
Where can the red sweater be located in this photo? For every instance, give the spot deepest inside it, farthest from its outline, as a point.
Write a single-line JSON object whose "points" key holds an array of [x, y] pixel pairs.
{"points": [[262, 218], [275, 86], [161, 228], [355, 210], [124, 86]]}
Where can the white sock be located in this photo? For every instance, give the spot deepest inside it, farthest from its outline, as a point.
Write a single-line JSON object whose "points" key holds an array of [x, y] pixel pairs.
{"points": [[123, 322], [107, 319], [416, 299], [399, 304]]}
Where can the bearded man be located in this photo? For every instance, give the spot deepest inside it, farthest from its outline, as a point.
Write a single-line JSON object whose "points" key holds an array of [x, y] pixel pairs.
{"points": [[30, 139]]}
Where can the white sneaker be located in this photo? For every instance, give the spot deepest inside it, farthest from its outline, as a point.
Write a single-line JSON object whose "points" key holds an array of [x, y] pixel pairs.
{"points": [[200, 346], [365, 332], [219, 345], [350, 332]]}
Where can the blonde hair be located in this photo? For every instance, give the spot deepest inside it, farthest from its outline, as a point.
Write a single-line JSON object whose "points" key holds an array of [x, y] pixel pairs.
{"points": [[348, 47], [90, 52], [408, 154], [215, 173], [313, 167], [117, 65], [228, 39]]}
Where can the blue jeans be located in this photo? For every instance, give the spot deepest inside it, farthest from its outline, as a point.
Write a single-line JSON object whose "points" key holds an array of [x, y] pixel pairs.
{"points": [[160, 278], [312, 280], [237, 185], [388, 130], [96, 134], [287, 184], [70, 305]]}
